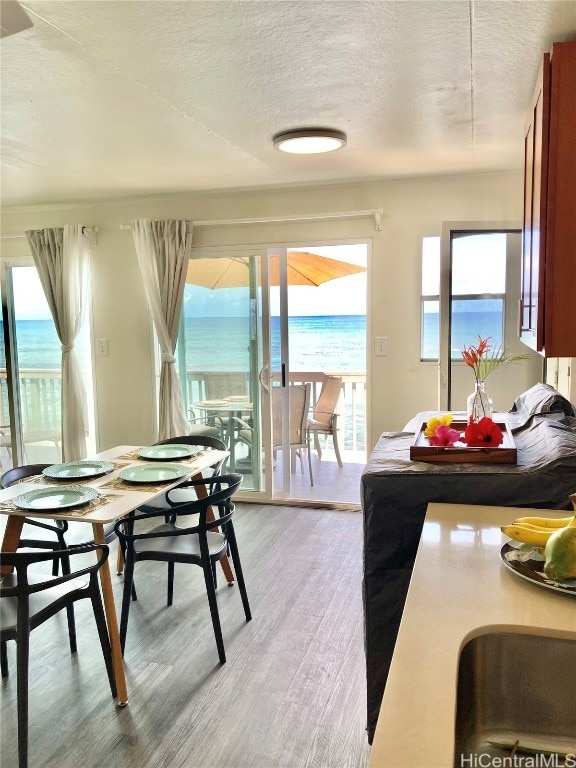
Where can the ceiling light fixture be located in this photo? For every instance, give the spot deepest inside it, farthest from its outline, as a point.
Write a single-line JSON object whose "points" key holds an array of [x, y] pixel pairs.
{"points": [[309, 141]]}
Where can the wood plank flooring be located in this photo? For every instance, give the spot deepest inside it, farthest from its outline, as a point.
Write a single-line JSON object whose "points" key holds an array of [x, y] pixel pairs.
{"points": [[291, 695]]}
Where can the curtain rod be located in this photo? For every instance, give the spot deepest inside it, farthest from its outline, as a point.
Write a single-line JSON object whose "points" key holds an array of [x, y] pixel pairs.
{"points": [[375, 212], [85, 231]]}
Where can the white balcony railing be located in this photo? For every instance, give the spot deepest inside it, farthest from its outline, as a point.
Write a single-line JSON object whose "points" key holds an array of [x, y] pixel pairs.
{"points": [[40, 400]]}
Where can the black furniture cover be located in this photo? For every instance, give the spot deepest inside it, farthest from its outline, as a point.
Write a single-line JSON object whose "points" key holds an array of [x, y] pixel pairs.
{"points": [[395, 492]]}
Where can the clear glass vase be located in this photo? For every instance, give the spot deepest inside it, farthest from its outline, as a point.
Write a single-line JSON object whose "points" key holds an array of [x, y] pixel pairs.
{"points": [[479, 403]]}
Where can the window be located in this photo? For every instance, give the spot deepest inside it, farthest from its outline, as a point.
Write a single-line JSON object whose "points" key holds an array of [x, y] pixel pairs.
{"points": [[478, 284], [430, 302]]}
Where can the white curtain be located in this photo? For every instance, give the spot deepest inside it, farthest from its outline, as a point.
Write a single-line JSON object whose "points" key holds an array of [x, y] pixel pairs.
{"points": [[163, 250], [61, 258]]}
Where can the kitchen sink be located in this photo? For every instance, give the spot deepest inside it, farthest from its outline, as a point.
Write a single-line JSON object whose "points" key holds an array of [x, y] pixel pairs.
{"points": [[515, 687]]}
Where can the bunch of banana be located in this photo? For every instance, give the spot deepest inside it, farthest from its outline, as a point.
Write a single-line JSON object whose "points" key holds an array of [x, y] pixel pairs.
{"points": [[535, 531]]}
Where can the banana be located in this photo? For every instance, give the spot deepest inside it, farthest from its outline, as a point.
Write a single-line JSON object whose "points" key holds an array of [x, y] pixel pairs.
{"points": [[545, 522], [534, 537]]}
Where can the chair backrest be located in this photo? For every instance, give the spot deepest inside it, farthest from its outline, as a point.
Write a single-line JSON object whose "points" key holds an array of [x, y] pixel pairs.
{"points": [[328, 400], [219, 385], [205, 441], [20, 473], [299, 405]]}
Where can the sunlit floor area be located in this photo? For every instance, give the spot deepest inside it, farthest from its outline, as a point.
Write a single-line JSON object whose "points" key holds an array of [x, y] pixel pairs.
{"points": [[332, 483], [291, 695]]}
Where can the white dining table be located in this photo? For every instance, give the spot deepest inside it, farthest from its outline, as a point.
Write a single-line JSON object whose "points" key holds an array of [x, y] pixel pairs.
{"points": [[116, 499]]}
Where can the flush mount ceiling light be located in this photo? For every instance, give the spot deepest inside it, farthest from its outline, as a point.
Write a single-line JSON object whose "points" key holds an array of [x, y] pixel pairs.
{"points": [[309, 141]]}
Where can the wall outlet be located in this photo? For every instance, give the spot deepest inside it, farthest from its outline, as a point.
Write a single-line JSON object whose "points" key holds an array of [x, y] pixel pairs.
{"points": [[381, 346], [101, 346]]}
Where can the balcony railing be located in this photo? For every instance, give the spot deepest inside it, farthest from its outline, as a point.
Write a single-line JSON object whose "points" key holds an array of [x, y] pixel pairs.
{"points": [[40, 400]]}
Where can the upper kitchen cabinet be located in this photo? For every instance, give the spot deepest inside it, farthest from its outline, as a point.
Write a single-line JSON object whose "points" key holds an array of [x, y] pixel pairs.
{"points": [[547, 312]]}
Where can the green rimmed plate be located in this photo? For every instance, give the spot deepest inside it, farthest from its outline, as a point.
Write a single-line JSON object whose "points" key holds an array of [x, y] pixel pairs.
{"points": [[154, 473], [78, 470], [169, 452], [50, 499]]}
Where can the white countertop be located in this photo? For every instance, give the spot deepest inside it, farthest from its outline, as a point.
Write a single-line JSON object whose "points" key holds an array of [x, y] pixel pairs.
{"points": [[459, 586]]}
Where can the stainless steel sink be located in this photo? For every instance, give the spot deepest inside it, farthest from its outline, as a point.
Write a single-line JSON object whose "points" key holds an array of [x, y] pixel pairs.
{"points": [[515, 687]]}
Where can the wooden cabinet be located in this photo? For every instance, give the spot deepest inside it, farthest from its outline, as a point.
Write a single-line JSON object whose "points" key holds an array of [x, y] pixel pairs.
{"points": [[548, 300]]}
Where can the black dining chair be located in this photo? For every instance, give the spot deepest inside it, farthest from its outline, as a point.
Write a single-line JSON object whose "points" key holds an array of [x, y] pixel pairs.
{"points": [[66, 533], [27, 600], [33, 535], [202, 544]]}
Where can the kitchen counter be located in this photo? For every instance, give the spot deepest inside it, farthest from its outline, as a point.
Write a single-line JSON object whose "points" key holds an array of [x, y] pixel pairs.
{"points": [[458, 586]]}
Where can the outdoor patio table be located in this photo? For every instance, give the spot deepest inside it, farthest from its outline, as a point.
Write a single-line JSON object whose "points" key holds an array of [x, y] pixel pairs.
{"points": [[231, 407], [117, 499]]}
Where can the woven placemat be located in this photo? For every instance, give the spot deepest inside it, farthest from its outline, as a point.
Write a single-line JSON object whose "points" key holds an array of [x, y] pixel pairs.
{"points": [[43, 480], [8, 506]]}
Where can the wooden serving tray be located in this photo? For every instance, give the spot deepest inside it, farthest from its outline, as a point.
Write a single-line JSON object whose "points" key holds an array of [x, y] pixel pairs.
{"points": [[505, 453]]}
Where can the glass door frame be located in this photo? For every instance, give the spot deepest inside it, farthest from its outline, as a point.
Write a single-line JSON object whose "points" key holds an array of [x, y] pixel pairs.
{"points": [[449, 229], [259, 316], [8, 324]]}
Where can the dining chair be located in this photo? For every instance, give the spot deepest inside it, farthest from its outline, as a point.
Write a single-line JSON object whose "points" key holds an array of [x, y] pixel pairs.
{"points": [[27, 600], [33, 531], [324, 419], [66, 533], [202, 544]]}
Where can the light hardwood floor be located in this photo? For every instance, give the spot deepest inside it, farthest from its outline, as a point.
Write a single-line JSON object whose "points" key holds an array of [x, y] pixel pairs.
{"points": [[291, 695]]}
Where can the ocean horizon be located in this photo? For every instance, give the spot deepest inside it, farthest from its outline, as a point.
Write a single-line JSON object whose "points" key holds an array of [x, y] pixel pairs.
{"points": [[324, 342]]}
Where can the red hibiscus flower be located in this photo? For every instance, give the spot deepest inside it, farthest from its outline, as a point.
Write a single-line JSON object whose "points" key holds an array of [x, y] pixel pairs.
{"points": [[483, 434], [444, 436]]}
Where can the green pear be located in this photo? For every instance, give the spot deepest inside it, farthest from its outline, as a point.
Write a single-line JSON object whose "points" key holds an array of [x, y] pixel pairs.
{"points": [[560, 554]]}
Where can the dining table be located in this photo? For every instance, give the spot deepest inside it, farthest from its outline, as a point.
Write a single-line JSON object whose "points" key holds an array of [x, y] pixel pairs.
{"points": [[114, 498]]}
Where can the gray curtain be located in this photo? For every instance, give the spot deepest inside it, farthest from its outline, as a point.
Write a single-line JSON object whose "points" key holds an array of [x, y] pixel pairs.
{"points": [[163, 250], [61, 258]]}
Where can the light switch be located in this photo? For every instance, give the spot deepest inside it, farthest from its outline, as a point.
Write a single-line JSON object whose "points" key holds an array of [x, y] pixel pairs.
{"points": [[381, 346], [101, 346]]}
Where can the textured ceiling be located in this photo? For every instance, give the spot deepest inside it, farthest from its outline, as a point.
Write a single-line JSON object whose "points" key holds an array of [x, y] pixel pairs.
{"points": [[121, 98]]}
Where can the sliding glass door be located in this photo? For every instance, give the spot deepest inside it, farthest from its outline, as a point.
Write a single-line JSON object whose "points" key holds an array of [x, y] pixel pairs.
{"points": [[479, 296]]}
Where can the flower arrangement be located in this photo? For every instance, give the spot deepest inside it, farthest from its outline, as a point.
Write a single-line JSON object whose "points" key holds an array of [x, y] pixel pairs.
{"points": [[484, 360], [482, 433], [482, 363]]}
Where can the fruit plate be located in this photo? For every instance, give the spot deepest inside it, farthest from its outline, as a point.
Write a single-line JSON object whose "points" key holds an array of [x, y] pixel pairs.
{"points": [[169, 452], [154, 473], [528, 563], [50, 499], [78, 470]]}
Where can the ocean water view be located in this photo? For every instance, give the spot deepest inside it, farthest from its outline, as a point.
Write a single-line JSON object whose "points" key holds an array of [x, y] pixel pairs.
{"points": [[325, 342], [334, 343]]}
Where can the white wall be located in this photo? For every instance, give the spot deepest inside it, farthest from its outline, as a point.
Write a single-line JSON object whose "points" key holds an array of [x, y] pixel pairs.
{"points": [[400, 384]]}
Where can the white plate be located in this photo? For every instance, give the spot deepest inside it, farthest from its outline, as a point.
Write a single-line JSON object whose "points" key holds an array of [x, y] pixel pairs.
{"points": [[77, 470], [212, 403], [47, 499], [169, 452], [154, 473]]}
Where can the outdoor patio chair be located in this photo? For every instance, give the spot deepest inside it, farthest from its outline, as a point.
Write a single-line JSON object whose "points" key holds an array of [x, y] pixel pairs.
{"points": [[324, 419], [299, 439]]}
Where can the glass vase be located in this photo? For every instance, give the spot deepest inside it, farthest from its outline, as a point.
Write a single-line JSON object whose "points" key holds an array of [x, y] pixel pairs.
{"points": [[479, 403]]}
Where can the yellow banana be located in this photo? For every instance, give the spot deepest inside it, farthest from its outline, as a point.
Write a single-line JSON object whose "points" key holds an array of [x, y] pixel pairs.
{"points": [[545, 522], [535, 537]]}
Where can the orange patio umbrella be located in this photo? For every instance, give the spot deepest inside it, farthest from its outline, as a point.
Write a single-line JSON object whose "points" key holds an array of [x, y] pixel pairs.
{"points": [[304, 268]]}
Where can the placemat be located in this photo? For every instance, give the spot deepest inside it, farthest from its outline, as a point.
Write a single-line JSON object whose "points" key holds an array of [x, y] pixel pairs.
{"points": [[103, 499]]}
